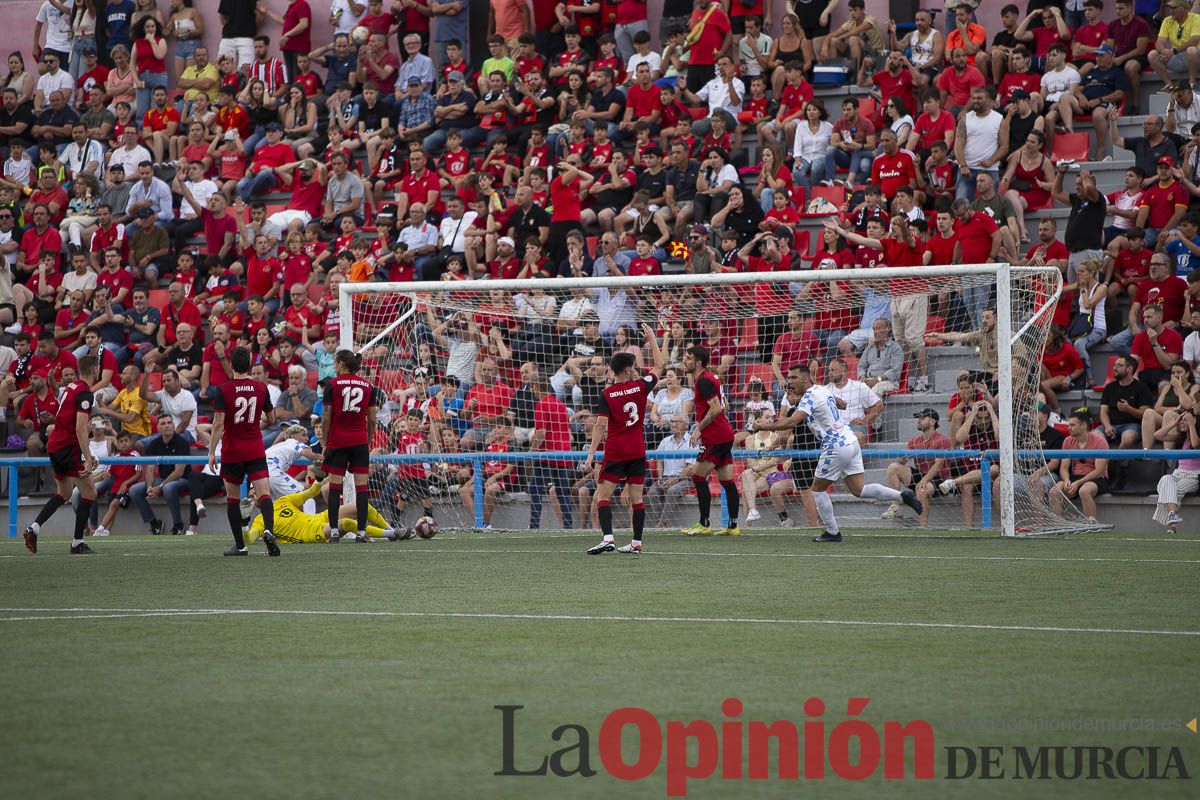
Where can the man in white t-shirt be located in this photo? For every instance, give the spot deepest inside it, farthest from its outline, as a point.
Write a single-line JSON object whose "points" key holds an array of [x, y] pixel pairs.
{"points": [[55, 20], [862, 404], [173, 399], [54, 79], [1059, 76]]}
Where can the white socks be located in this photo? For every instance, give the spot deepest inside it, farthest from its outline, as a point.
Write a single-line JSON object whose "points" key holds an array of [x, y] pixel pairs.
{"points": [[877, 491], [825, 510]]}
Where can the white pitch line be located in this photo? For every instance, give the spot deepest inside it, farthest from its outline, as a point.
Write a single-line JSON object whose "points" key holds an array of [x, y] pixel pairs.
{"points": [[121, 613], [418, 549]]}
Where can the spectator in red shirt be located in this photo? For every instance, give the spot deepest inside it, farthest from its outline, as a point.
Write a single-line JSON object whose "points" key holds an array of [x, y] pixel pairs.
{"points": [[895, 80], [39, 237], [485, 402], [70, 322], [933, 125], [1162, 205], [979, 240], [796, 347], [956, 83], [269, 157], [1156, 347], [1061, 367], [894, 168]]}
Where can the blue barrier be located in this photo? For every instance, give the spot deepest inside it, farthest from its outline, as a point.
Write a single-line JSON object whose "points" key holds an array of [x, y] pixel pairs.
{"points": [[476, 460]]}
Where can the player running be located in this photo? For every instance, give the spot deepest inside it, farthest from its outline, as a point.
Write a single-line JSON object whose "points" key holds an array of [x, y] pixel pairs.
{"points": [[294, 526], [620, 423], [238, 407], [841, 457], [716, 443], [280, 458], [347, 425], [71, 458]]}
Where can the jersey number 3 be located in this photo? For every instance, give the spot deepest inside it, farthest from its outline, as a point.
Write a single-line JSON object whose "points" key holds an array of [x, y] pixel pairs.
{"points": [[245, 409], [352, 398], [631, 410]]}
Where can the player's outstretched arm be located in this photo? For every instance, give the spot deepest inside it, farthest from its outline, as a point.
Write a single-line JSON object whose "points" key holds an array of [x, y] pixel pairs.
{"points": [[657, 357]]}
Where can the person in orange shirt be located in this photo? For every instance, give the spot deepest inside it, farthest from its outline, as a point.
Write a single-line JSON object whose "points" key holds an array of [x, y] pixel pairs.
{"points": [[363, 266], [968, 35]]}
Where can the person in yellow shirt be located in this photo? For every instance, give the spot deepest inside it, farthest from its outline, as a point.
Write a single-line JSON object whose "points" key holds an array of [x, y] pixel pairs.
{"points": [[1178, 46], [293, 526], [200, 77], [129, 408]]}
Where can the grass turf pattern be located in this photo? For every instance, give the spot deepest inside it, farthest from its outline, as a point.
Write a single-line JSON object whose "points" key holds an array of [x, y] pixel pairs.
{"points": [[154, 687]]}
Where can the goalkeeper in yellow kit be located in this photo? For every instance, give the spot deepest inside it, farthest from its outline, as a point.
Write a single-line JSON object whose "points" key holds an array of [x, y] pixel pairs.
{"points": [[293, 526]]}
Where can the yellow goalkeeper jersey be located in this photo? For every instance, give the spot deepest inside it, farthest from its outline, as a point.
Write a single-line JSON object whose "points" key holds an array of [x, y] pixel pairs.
{"points": [[292, 525]]}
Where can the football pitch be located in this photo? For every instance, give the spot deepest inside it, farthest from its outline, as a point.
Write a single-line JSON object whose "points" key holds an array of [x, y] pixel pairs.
{"points": [[159, 669]]}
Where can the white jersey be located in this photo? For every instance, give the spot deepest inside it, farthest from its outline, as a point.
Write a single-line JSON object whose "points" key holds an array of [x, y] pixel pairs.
{"points": [[823, 416], [281, 456]]}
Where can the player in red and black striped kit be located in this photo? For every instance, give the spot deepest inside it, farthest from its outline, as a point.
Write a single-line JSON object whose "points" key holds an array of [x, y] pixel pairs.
{"points": [[239, 406], [70, 457], [347, 426], [716, 443], [620, 422]]}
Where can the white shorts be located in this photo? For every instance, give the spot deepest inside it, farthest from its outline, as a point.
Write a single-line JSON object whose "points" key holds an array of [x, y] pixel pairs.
{"points": [[277, 224], [839, 460], [282, 484]]}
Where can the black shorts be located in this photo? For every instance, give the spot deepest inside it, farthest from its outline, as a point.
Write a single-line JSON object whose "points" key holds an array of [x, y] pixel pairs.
{"points": [[632, 471], [1102, 486], [412, 490], [719, 455], [67, 462], [355, 459], [235, 471]]}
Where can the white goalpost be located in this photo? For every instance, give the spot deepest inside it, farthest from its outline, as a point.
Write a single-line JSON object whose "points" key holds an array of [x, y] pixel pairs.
{"points": [[462, 363]]}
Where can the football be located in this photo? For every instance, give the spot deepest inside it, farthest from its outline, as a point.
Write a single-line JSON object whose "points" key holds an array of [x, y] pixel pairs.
{"points": [[426, 527], [360, 34]]}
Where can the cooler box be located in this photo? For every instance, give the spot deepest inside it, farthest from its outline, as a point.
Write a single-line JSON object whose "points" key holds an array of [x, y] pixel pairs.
{"points": [[831, 74]]}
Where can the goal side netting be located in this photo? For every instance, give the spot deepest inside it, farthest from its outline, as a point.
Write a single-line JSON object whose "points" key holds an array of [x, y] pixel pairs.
{"points": [[491, 386]]}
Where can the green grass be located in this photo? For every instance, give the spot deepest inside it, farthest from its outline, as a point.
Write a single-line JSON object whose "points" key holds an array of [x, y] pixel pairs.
{"points": [[299, 706]]}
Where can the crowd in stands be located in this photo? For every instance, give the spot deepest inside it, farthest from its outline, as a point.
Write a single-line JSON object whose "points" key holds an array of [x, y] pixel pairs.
{"points": [[157, 214]]}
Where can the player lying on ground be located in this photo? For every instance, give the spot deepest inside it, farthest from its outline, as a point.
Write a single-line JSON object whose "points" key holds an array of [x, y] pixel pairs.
{"points": [[621, 418], [293, 526], [841, 457]]}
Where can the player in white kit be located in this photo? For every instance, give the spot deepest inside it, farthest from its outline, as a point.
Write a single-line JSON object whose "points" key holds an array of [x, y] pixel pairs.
{"points": [[841, 458], [280, 458]]}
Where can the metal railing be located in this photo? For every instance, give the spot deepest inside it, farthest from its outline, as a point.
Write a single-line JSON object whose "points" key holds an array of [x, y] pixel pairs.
{"points": [[985, 457]]}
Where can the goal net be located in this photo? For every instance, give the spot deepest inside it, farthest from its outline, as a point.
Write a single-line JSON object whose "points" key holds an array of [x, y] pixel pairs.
{"points": [[490, 388]]}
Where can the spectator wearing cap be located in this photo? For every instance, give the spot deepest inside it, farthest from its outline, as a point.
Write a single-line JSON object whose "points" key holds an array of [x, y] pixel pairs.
{"points": [[455, 110], [413, 108], [147, 245], [89, 74], [925, 472], [1163, 203], [1100, 90], [1176, 49]]}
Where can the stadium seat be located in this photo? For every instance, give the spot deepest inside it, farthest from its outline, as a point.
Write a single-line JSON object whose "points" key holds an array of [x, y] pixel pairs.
{"points": [[159, 298], [312, 379], [802, 243], [1072, 146], [868, 107], [155, 381], [799, 198], [590, 243], [834, 194], [699, 112], [749, 338], [316, 292], [760, 371], [1108, 373]]}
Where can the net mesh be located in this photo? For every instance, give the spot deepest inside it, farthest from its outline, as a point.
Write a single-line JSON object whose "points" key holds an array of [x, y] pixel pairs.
{"points": [[464, 367]]}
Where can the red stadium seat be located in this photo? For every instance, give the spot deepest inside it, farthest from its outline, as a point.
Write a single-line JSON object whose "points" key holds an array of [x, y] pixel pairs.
{"points": [[760, 371], [868, 107], [1070, 146], [316, 292], [699, 112], [851, 366], [802, 243], [1108, 374], [834, 194], [155, 381], [159, 298], [799, 198], [749, 339], [590, 244], [312, 379]]}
